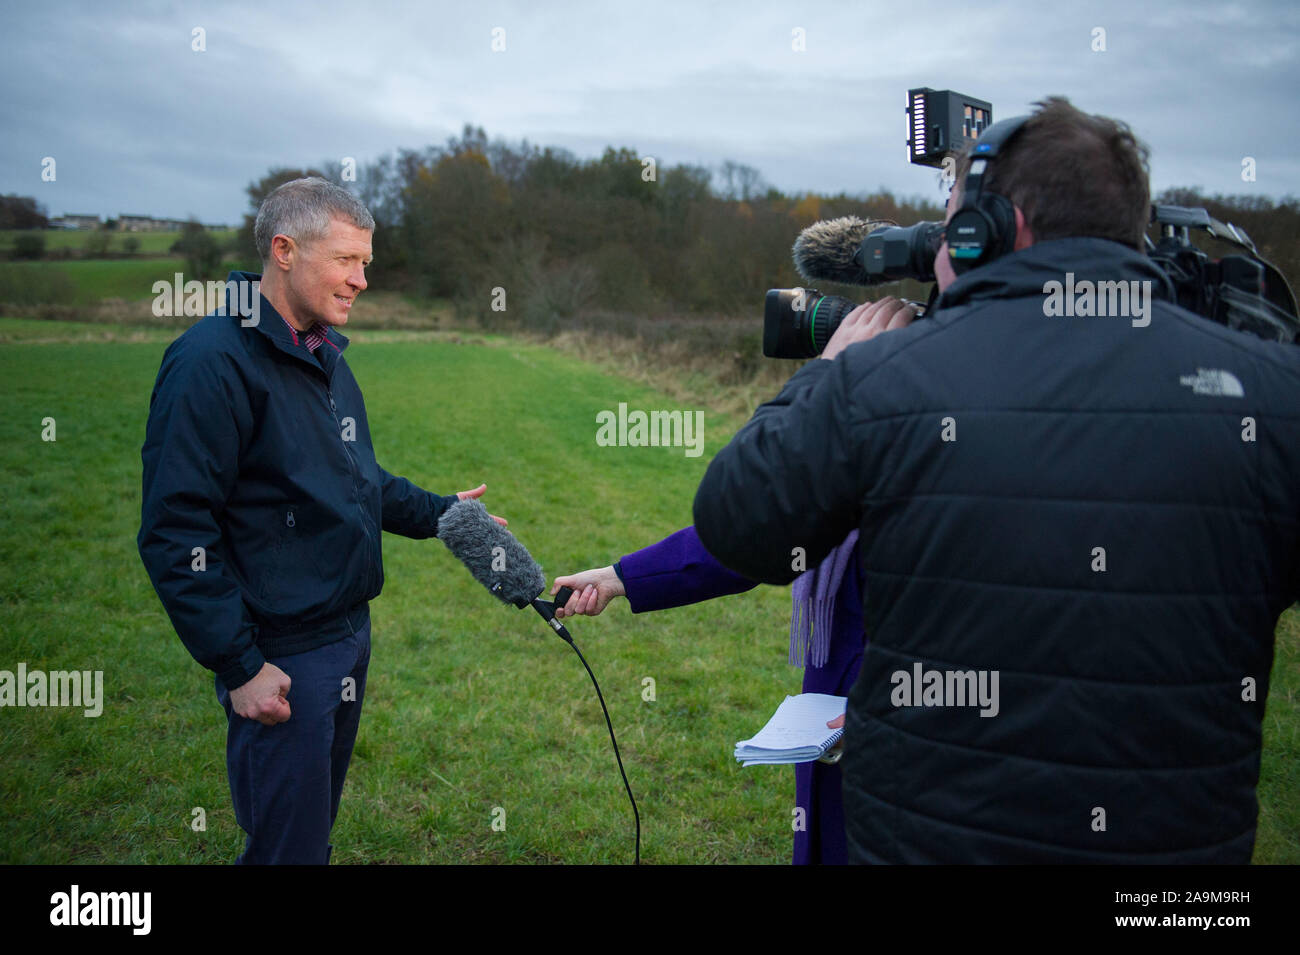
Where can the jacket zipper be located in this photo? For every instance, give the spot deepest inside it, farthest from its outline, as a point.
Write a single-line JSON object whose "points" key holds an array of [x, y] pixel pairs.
{"points": [[356, 485]]}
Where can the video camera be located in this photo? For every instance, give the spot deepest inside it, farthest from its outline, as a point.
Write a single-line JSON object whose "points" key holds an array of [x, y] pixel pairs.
{"points": [[1242, 291]]}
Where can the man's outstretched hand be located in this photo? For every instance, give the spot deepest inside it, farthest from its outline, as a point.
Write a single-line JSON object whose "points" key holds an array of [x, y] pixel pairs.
{"points": [[479, 492], [263, 698]]}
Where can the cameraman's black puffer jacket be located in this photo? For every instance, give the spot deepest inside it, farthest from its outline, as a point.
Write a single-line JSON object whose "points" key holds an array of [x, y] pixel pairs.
{"points": [[1130, 698]]}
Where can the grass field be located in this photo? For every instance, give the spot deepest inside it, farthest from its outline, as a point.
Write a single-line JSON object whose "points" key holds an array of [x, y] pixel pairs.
{"points": [[151, 243], [470, 706], [87, 281]]}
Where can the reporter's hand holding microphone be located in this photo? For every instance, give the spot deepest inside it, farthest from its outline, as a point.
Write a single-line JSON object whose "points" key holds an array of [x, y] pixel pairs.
{"points": [[592, 591]]}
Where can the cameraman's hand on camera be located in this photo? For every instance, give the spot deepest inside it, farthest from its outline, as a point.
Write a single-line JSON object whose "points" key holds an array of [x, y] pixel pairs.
{"points": [[867, 321], [592, 591]]}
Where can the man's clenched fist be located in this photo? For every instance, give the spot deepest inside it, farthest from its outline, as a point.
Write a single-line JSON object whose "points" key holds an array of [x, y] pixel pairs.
{"points": [[263, 697]]}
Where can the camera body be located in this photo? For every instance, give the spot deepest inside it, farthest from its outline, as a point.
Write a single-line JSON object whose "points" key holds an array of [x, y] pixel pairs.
{"points": [[1242, 291]]}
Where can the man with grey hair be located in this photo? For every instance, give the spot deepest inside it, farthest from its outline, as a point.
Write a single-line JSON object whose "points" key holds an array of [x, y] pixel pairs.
{"points": [[262, 510]]}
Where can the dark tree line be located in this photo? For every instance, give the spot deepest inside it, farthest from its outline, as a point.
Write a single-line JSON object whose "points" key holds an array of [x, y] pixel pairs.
{"points": [[560, 234], [22, 212]]}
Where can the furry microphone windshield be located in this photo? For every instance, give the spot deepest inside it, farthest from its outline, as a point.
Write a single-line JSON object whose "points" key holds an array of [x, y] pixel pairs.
{"points": [[828, 250], [491, 553], [502, 565]]}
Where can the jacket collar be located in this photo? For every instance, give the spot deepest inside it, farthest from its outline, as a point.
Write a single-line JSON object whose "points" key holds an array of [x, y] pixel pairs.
{"points": [[1024, 273], [273, 325]]}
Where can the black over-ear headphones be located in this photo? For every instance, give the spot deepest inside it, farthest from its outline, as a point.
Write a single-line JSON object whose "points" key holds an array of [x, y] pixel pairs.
{"points": [[984, 228]]}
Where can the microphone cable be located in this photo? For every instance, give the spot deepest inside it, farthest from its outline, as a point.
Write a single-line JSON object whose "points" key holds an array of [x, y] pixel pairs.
{"points": [[471, 533], [547, 609], [635, 815]]}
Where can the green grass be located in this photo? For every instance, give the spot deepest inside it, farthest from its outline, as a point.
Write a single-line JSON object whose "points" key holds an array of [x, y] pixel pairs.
{"points": [[470, 705], [88, 281], [42, 331], [151, 243]]}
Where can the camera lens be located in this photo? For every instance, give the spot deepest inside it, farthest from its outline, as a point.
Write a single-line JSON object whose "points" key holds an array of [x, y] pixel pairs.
{"points": [[798, 322]]}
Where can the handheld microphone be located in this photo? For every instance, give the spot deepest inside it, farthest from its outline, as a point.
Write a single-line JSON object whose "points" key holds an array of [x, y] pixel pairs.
{"points": [[503, 565], [496, 559]]}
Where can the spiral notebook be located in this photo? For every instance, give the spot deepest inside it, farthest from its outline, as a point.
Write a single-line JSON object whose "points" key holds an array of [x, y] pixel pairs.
{"points": [[796, 733]]}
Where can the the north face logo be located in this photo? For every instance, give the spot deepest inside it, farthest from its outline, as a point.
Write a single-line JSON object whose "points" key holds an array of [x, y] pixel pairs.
{"points": [[1213, 381]]}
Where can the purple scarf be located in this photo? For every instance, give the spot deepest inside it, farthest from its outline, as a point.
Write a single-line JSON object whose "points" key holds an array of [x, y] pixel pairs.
{"points": [[813, 593]]}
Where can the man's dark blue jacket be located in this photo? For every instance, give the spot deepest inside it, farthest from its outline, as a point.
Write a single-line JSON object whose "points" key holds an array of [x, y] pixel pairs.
{"points": [[260, 454], [1107, 517]]}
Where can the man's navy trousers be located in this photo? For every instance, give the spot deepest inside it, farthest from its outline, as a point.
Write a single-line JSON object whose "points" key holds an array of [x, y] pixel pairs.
{"points": [[286, 779]]}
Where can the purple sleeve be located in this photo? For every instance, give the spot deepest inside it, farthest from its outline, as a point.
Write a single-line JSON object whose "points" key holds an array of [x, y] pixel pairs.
{"points": [[675, 572]]}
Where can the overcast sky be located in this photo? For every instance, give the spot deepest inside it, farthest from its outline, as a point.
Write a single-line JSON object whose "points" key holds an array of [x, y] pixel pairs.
{"points": [[139, 122]]}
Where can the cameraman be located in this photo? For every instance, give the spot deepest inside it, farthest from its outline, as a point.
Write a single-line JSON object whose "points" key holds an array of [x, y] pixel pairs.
{"points": [[1076, 534]]}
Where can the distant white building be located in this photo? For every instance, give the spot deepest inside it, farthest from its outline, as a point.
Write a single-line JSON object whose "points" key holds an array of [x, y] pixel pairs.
{"points": [[132, 223], [72, 221], [125, 223]]}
